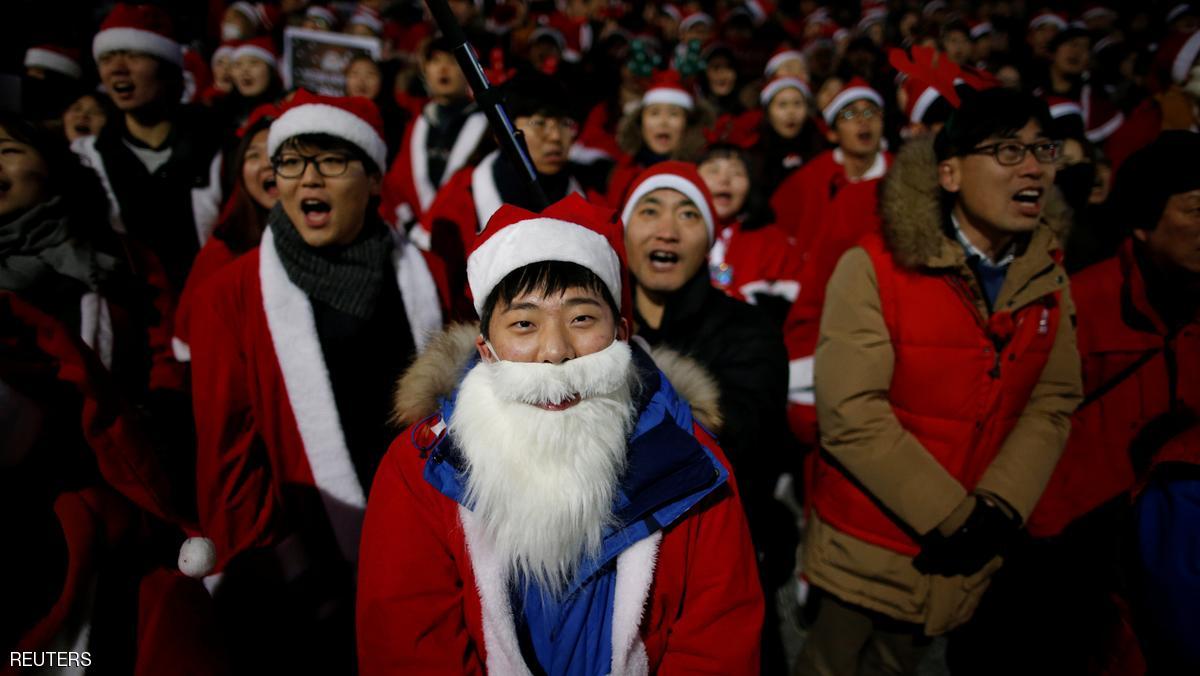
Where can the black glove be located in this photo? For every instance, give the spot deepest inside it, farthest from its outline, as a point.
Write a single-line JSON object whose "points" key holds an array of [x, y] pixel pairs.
{"points": [[988, 532]]}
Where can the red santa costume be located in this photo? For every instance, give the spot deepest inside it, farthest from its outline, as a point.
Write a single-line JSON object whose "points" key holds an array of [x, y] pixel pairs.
{"points": [[435, 586], [266, 416], [667, 88], [408, 191], [801, 200]]}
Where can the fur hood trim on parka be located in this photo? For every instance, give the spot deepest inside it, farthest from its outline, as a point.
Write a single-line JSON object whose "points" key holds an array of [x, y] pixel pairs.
{"points": [[437, 370], [911, 206]]}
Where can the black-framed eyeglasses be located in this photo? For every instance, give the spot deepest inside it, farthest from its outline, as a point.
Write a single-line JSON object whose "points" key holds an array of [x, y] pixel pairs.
{"points": [[328, 165], [1010, 153]]}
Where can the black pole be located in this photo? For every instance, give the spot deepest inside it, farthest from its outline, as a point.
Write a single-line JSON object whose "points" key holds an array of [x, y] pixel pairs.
{"points": [[510, 139]]}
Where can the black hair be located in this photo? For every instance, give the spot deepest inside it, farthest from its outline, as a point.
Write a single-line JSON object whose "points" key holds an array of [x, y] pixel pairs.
{"points": [[1148, 179], [440, 43], [551, 278], [65, 176], [756, 211], [329, 143], [992, 112], [534, 93]]}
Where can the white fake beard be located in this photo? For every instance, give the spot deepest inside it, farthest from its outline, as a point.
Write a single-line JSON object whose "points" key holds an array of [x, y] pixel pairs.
{"points": [[542, 482]]}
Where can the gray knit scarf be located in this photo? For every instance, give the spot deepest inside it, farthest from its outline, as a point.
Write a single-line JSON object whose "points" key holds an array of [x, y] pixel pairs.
{"points": [[41, 242], [346, 277]]}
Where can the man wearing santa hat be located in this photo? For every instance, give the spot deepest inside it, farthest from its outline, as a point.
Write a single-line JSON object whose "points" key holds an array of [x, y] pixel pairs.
{"points": [[296, 347], [670, 225], [558, 504], [157, 160], [855, 121]]}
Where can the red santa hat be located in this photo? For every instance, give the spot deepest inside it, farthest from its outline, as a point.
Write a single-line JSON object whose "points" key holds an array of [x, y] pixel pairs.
{"points": [[932, 7], [223, 51], [353, 119], [672, 11], [779, 84], [1048, 18], [571, 231], [138, 28], [1095, 10], [681, 177], [667, 87], [981, 28], [693, 19], [919, 97], [1061, 107], [781, 56], [247, 10], [871, 17], [1177, 55], [267, 111], [61, 60], [760, 10], [322, 14], [367, 16], [1178, 11], [261, 48], [856, 89]]}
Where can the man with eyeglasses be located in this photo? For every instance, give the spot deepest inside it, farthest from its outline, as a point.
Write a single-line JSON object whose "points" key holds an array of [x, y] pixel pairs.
{"points": [[855, 120], [296, 349], [537, 105], [945, 377]]}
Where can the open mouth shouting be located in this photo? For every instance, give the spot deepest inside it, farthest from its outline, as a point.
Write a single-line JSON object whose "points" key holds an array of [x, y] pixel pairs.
{"points": [[663, 261], [123, 90], [1029, 201], [269, 186], [316, 212]]}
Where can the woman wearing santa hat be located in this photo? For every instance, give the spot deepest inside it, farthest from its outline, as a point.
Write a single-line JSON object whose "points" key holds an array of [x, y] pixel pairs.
{"points": [[789, 135], [668, 125], [295, 349]]}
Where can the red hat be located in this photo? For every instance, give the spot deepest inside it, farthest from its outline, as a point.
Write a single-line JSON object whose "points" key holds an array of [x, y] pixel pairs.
{"points": [[261, 48], [781, 56], [138, 28], [779, 84], [1061, 106], [367, 16], [672, 11], [353, 119], [61, 60], [694, 19], [267, 111], [197, 77], [1101, 118], [856, 89], [1095, 10], [667, 87], [681, 177], [1177, 55], [980, 28], [1178, 11], [571, 230], [224, 50], [322, 14], [871, 17], [1048, 18]]}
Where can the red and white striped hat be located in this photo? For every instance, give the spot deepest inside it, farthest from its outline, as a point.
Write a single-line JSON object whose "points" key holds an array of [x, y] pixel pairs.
{"points": [[61, 60], [667, 87], [779, 84], [138, 28], [571, 230], [682, 177], [856, 89], [261, 48], [353, 119]]}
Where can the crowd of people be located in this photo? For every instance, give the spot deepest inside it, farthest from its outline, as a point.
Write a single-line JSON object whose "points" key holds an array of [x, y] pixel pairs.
{"points": [[878, 319]]}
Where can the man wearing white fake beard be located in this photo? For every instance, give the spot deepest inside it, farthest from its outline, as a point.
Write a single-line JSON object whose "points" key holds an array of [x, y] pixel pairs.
{"points": [[557, 504]]}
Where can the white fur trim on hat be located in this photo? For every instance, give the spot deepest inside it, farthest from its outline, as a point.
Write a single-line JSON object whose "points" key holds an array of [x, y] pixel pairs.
{"points": [[778, 60], [536, 240], [776, 86], [1178, 11], [137, 40], [981, 29], [671, 182], [1185, 58], [1052, 19], [320, 118], [222, 51], [676, 97], [926, 99], [1066, 108], [848, 96], [50, 60], [694, 19], [257, 52]]}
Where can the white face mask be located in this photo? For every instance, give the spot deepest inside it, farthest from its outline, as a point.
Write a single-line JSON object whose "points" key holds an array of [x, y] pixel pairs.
{"points": [[230, 31]]}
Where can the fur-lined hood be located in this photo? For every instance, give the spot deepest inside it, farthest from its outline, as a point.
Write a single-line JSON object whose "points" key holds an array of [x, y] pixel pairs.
{"points": [[436, 372], [911, 207]]}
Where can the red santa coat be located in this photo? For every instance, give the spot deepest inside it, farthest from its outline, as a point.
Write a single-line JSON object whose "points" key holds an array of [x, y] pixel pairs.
{"points": [[431, 598], [801, 200], [408, 190], [851, 216], [1117, 330], [748, 263], [266, 417], [214, 255]]}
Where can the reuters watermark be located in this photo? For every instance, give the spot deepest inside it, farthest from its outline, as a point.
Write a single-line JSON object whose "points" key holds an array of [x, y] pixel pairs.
{"points": [[45, 659]]}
